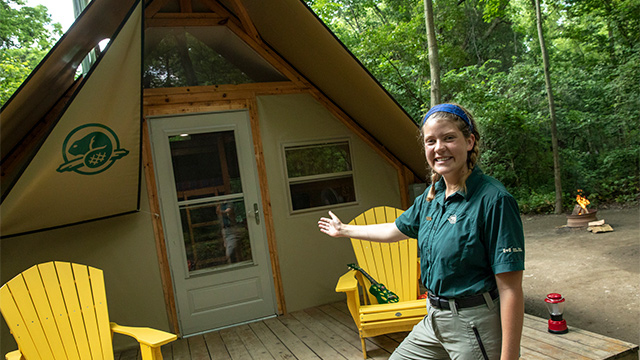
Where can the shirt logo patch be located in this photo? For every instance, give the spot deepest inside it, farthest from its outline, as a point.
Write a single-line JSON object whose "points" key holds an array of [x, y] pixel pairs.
{"points": [[512, 249], [452, 219]]}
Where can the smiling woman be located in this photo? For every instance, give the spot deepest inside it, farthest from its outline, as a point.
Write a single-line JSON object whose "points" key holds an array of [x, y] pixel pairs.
{"points": [[463, 224]]}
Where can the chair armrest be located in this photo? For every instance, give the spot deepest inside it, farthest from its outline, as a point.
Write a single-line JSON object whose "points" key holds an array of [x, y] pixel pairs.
{"points": [[14, 355], [145, 335], [347, 282]]}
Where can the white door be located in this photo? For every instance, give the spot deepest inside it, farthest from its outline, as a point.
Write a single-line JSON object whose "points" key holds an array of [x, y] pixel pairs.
{"points": [[211, 211]]}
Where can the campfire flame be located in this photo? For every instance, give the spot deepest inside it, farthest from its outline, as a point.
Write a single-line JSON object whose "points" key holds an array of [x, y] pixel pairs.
{"points": [[583, 202]]}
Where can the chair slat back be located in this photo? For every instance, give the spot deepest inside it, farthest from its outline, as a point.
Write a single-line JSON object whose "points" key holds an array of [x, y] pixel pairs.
{"points": [[62, 307], [392, 264]]}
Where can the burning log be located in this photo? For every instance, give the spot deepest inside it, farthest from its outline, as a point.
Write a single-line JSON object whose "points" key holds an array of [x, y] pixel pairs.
{"points": [[581, 208], [581, 216]]}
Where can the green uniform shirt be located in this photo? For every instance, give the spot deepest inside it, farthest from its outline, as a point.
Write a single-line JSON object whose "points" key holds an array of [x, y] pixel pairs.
{"points": [[467, 238]]}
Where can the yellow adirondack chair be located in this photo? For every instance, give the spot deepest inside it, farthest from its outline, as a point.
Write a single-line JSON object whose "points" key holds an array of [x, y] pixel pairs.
{"points": [[395, 265], [58, 310]]}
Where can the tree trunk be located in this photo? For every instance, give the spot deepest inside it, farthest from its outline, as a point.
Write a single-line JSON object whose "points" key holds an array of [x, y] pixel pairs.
{"points": [[434, 63], [552, 112]]}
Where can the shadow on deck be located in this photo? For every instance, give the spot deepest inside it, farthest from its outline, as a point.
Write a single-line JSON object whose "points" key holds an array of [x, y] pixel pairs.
{"points": [[328, 332]]}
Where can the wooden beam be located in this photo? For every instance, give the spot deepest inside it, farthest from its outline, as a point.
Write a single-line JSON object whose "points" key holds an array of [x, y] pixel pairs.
{"points": [[186, 22], [189, 19], [153, 7], [245, 20], [266, 204], [194, 108], [269, 55], [263, 87], [199, 94], [158, 230], [185, 6], [215, 6]]}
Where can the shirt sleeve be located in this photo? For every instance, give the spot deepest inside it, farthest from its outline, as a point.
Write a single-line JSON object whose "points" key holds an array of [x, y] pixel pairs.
{"points": [[505, 236], [409, 221]]}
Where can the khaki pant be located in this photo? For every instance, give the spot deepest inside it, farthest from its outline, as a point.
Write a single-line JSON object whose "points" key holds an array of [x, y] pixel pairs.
{"points": [[464, 334]]}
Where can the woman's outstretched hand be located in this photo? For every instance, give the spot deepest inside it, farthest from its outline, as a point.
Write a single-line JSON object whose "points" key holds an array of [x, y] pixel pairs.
{"points": [[331, 226]]}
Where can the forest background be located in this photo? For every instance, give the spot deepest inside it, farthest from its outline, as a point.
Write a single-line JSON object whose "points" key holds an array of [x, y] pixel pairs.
{"points": [[491, 63]]}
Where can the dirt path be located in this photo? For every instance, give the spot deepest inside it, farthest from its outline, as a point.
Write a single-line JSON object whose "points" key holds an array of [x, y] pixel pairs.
{"points": [[598, 274]]}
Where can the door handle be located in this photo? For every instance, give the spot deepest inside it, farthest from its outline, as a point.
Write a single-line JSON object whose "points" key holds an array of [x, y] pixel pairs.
{"points": [[256, 212]]}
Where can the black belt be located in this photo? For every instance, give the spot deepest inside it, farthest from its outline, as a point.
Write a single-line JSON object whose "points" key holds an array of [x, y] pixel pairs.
{"points": [[464, 302]]}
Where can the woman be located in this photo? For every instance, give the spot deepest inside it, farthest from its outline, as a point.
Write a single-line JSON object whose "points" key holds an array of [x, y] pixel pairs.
{"points": [[471, 247]]}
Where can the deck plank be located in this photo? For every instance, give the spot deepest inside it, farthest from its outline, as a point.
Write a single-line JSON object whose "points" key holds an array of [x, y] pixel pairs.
{"points": [[329, 332], [234, 345], [529, 354], [373, 350], [216, 346], [198, 348], [128, 354], [328, 335], [180, 350], [547, 349], [315, 343], [290, 340], [585, 338], [276, 348], [255, 347], [167, 353], [340, 312]]}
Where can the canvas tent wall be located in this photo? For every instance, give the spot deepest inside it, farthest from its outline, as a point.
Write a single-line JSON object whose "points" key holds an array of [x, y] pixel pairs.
{"points": [[316, 100]]}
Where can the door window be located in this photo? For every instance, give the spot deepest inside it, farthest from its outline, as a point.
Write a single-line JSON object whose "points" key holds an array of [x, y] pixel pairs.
{"points": [[210, 199]]}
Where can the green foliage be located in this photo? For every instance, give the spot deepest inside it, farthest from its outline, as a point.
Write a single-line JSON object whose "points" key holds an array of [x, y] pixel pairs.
{"points": [[489, 56], [318, 159], [181, 59], [26, 35]]}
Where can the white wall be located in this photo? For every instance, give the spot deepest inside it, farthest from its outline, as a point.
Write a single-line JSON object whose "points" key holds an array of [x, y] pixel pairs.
{"points": [[311, 262]]}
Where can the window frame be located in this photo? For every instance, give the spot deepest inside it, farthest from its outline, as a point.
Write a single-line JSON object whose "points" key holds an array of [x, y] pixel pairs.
{"points": [[324, 176]]}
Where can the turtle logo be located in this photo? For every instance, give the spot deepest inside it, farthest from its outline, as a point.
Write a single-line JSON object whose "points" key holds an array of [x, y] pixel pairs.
{"points": [[90, 149]]}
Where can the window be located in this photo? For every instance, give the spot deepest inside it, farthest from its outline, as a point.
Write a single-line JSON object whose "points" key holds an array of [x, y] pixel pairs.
{"points": [[319, 174], [200, 56]]}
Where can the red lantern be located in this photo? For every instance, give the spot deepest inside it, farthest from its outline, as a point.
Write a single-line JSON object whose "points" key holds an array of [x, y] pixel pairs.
{"points": [[555, 305]]}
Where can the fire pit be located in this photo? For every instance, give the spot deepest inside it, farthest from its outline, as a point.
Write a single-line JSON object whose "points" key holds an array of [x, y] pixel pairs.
{"points": [[581, 220], [581, 216]]}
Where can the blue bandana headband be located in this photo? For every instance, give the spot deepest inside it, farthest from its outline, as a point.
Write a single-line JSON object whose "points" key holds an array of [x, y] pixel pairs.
{"points": [[451, 109]]}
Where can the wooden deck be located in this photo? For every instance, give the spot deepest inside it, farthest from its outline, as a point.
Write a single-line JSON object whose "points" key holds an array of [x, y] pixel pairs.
{"points": [[328, 332]]}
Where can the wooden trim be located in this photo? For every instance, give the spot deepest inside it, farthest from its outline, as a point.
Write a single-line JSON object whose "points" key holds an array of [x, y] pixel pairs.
{"points": [[214, 6], [269, 55], [158, 230], [185, 6], [207, 106], [275, 87], [180, 22], [405, 175], [152, 8], [266, 204], [199, 94], [183, 100], [245, 20]]}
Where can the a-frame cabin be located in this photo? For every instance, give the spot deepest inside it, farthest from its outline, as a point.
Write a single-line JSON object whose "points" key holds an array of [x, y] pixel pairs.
{"points": [[192, 161]]}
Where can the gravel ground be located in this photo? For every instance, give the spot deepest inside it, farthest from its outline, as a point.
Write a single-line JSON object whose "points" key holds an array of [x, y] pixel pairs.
{"points": [[598, 274]]}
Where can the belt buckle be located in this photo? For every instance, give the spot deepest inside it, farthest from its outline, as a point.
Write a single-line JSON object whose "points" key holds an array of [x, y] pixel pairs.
{"points": [[444, 304]]}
